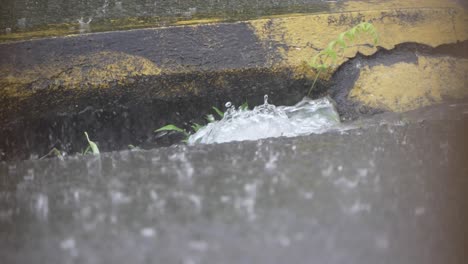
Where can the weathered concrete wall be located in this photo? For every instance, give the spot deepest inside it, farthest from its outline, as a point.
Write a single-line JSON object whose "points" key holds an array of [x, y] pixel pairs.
{"points": [[405, 78], [219, 62], [299, 38], [25, 18], [27, 13], [405, 86], [274, 42]]}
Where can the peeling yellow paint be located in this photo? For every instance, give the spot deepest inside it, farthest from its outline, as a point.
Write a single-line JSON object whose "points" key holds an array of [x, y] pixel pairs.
{"points": [[300, 38], [405, 86], [198, 21], [289, 40], [85, 71], [287, 15], [366, 5]]}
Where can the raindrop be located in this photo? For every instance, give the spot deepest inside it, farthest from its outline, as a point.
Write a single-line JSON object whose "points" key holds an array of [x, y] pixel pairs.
{"points": [[42, 206], [419, 211], [68, 244], [148, 232], [230, 109]]}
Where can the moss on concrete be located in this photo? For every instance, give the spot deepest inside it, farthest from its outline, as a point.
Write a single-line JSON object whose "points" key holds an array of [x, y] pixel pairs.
{"points": [[406, 86]]}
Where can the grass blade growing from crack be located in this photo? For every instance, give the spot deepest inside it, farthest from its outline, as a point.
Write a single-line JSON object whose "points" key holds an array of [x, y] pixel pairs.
{"points": [[172, 127], [219, 112], [196, 127], [328, 57], [53, 152], [93, 146], [244, 106]]}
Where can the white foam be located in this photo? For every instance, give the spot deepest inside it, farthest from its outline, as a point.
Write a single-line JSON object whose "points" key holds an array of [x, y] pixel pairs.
{"points": [[265, 121]]}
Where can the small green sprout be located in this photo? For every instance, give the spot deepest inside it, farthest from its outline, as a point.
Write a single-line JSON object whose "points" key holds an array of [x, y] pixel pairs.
{"points": [[244, 106], [219, 112], [171, 127], [175, 128], [91, 146], [53, 152], [210, 118], [195, 127], [336, 48]]}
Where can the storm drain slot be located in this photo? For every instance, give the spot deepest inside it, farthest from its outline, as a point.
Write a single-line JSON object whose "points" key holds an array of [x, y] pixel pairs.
{"points": [[126, 116]]}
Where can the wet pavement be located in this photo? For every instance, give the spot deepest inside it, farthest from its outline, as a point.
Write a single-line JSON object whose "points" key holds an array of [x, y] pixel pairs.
{"points": [[23, 14], [394, 189]]}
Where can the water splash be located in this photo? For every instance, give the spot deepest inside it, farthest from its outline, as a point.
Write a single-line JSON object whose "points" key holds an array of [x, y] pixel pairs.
{"points": [[84, 27], [267, 120], [42, 206]]}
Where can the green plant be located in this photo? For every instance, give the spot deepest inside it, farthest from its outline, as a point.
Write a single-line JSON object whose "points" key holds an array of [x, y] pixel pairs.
{"points": [[244, 106], [336, 48], [195, 127], [210, 118], [53, 152], [171, 127], [219, 112], [91, 146]]}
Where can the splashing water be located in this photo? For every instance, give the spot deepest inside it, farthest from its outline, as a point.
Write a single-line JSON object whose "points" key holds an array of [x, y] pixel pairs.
{"points": [[264, 121]]}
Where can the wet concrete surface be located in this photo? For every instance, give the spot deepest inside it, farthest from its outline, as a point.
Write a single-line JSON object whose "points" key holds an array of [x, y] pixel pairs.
{"points": [[52, 90], [346, 77], [224, 46], [116, 118], [391, 190], [128, 113], [22, 14]]}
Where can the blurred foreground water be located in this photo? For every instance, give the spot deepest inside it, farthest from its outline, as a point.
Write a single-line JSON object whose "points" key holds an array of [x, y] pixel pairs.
{"points": [[390, 189]]}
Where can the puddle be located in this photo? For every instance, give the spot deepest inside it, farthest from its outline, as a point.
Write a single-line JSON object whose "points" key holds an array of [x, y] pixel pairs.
{"points": [[267, 120]]}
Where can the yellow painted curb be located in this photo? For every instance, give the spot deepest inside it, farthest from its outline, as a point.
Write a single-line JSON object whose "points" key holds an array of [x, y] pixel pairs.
{"points": [[84, 71], [405, 86], [279, 43], [300, 38]]}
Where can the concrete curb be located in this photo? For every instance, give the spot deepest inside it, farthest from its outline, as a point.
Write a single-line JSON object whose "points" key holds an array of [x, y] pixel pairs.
{"points": [[156, 74]]}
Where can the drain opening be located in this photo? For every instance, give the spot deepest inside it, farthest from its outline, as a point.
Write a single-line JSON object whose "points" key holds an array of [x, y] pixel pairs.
{"points": [[127, 116]]}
